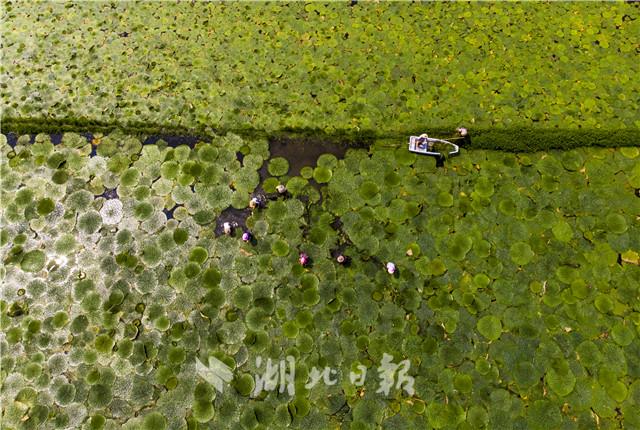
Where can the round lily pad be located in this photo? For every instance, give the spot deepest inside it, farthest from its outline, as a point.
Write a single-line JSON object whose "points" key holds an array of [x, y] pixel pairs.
{"points": [[368, 190], [24, 196], [154, 421], [130, 177], [180, 236], [204, 392], [543, 414], [392, 178], [484, 187], [567, 274], [630, 151], [100, 396], [211, 277], [280, 248], [481, 280], [306, 172], [327, 160], [290, 329], [45, 206], [463, 383], [143, 210], [562, 231], [603, 303], [444, 199], [318, 235], [244, 384], [191, 270], [483, 366], [203, 411], [521, 253], [437, 267], [278, 166], [490, 327], [65, 394], [300, 407], [561, 381], [151, 255], [33, 261], [459, 247], [311, 296], [205, 216], [176, 355], [242, 296], [616, 223], [322, 175], [104, 344], [622, 334], [270, 185], [89, 222], [617, 391], [60, 177], [198, 255], [309, 280], [525, 375], [477, 417], [507, 207]]}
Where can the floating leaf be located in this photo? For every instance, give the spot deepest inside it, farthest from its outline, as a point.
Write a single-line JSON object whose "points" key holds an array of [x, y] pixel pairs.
{"points": [[622, 334], [616, 223], [322, 174], [280, 248], [561, 381], [521, 253], [368, 190], [543, 414], [278, 166], [484, 187], [444, 199], [562, 231], [33, 261], [490, 327]]}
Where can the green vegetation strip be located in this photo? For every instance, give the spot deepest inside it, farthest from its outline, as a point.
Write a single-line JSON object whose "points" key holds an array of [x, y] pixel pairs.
{"points": [[515, 298], [382, 69], [515, 139]]}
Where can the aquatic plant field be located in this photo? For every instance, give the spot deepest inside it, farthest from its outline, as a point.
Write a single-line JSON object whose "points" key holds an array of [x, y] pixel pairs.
{"points": [[210, 218], [515, 299], [385, 69]]}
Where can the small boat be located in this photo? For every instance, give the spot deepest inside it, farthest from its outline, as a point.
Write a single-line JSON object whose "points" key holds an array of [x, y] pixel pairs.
{"points": [[424, 144]]}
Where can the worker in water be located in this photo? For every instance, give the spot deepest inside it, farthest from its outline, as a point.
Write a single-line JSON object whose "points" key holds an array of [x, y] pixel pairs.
{"points": [[423, 142], [228, 227], [257, 202]]}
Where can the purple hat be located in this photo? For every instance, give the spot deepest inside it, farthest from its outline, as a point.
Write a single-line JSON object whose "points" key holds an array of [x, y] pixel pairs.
{"points": [[391, 268], [303, 259]]}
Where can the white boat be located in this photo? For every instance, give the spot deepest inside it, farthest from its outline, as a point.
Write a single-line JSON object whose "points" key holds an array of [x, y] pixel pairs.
{"points": [[424, 144]]}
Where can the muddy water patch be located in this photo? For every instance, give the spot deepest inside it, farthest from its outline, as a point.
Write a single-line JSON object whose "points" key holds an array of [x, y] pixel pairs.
{"points": [[303, 154]]}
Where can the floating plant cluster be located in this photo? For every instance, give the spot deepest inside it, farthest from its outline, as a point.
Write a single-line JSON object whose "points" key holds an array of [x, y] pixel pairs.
{"points": [[509, 281], [347, 66]]}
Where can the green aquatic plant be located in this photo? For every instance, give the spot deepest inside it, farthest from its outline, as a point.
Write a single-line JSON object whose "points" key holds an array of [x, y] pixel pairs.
{"points": [[33, 261], [45, 206], [501, 288], [392, 98], [322, 174], [278, 166]]}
